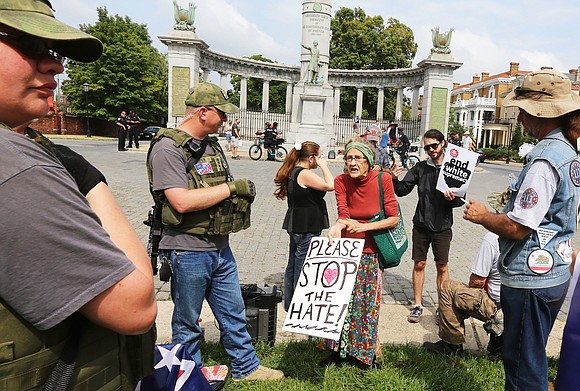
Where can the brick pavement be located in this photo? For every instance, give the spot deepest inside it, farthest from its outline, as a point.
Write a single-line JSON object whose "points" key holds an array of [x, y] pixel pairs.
{"points": [[261, 250]]}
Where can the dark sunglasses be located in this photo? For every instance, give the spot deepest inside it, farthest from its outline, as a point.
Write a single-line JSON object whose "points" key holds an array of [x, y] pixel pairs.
{"points": [[222, 114], [433, 146], [519, 91], [32, 47]]}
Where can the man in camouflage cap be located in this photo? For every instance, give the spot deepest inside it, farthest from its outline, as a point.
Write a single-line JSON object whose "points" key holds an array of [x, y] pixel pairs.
{"points": [[202, 204], [74, 285]]}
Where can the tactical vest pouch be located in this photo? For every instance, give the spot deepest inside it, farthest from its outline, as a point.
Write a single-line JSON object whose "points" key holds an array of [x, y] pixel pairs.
{"points": [[106, 361], [196, 223], [232, 222]]}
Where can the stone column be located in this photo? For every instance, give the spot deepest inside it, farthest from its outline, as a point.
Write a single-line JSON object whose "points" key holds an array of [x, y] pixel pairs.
{"points": [[183, 59], [438, 82], [399, 105], [265, 95], [336, 101], [243, 93], [206, 75], [359, 101], [415, 103], [380, 103], [223, 81], [289, 88], [312, 101]]}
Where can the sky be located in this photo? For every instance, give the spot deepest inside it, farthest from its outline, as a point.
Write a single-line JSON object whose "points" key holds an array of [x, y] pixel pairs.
{"points": [[487, 35]]}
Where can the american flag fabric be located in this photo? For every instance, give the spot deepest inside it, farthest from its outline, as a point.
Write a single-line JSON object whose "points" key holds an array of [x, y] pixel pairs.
{"points": [[175, 370], [204, 168]]}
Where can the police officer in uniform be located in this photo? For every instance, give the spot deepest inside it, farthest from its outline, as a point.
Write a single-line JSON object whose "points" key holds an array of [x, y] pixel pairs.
{"points": [[122, 127], [202, 204], [133, 122]]}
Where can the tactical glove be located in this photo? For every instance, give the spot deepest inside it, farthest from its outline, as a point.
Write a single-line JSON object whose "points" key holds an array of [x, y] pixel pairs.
{"points": [[242, 187]]}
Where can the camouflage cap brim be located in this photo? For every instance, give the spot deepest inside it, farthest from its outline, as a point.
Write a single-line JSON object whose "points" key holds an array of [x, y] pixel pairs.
{"points": [[228, 108], [36, 18]]}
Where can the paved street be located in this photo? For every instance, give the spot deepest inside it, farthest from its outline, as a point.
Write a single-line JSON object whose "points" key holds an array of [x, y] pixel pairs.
{"points": [[261, 250]]}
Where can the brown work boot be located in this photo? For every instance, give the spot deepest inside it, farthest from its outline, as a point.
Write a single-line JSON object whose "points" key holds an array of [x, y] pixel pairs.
{"points": [[442, 347], [263, 373]]}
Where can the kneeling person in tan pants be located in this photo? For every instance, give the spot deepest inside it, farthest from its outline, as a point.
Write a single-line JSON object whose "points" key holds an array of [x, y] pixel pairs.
{"points": [[480, 299]]}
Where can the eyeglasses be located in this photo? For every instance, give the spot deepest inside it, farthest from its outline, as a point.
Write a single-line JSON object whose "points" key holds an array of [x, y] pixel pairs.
{"points": [[433, 146], [357, 159], [222, 114], [32, 47], [519, 91]]}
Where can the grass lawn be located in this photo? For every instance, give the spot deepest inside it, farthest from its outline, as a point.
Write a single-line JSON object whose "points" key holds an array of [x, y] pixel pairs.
{"points": [[403, 368]]}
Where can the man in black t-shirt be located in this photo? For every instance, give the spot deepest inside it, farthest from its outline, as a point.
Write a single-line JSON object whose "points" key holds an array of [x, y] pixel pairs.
{"points": [[402, 145], [270, 135]]}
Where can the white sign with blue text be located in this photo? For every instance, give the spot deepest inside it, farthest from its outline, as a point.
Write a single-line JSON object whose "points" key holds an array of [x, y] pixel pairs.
{"points": [[321, 298]]}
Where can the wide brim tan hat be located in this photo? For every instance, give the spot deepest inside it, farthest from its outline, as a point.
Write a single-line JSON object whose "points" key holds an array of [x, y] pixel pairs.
{"points": [[498, 200], [544, 94], [35, 17], [209, 94]]}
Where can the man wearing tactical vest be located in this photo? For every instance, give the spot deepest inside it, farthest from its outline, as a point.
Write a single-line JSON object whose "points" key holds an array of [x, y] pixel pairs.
{"points": [[201, 205], [66, 299]]}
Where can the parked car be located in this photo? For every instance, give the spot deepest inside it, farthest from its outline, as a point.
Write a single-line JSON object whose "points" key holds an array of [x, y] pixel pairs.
{"points": [[149, 132], [481, 157]]}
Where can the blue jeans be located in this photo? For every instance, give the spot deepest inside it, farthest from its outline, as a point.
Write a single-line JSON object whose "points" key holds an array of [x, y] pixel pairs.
{"points": [[211, 275], [298, 247], [529, 316]]}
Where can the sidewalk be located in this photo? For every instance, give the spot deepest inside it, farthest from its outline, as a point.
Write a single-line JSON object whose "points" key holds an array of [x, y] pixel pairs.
{"points": [[393, 328]]}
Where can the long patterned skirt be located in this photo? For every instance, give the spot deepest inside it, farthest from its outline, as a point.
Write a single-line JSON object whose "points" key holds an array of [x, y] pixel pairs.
{"points": [[359, 336]]}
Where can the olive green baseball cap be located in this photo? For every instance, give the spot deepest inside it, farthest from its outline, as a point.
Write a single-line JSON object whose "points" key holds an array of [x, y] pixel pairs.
{"points": [[35, 17], [209, 94]]}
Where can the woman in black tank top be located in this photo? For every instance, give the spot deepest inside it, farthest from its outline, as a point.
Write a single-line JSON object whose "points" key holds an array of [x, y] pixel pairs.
{"points": [[307, 215]]}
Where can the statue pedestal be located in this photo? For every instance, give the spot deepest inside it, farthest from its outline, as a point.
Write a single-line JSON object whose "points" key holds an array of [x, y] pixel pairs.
{"points": [[312, 113]]}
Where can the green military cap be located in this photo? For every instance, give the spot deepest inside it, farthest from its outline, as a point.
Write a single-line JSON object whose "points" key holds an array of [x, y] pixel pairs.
{"points": [[35, 17], [209, 94]]}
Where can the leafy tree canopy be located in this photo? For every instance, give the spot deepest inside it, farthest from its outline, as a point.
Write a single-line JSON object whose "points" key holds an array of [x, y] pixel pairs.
{"points": [[277, 103], [364, 42], [131, 74]]}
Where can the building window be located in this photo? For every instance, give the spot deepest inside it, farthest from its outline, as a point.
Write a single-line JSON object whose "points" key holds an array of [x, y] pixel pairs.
{"points": [[491, 92]]}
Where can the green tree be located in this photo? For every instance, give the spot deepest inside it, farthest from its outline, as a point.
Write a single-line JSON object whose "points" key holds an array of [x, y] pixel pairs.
{"points": [[277, 101], [454, 126], [364, 42], [131, 74], [517, 137]]}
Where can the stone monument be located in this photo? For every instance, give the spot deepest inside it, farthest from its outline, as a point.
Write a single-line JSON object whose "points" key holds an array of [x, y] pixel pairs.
{"points": [[183, 57], [438, 82], [312, 99]]}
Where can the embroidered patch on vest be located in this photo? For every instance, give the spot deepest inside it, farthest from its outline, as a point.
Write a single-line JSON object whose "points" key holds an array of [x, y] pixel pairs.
{"points": [[204, 168], [575, 173], [564, 250], [529, 198], [540, 261]]}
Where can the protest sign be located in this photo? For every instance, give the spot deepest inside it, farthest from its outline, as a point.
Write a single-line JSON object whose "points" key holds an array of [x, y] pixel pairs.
{"points": [[457, 170], [323, 292]]}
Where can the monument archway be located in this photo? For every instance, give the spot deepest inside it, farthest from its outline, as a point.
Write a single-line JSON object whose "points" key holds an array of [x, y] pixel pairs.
{"points": [[313, 90]]}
